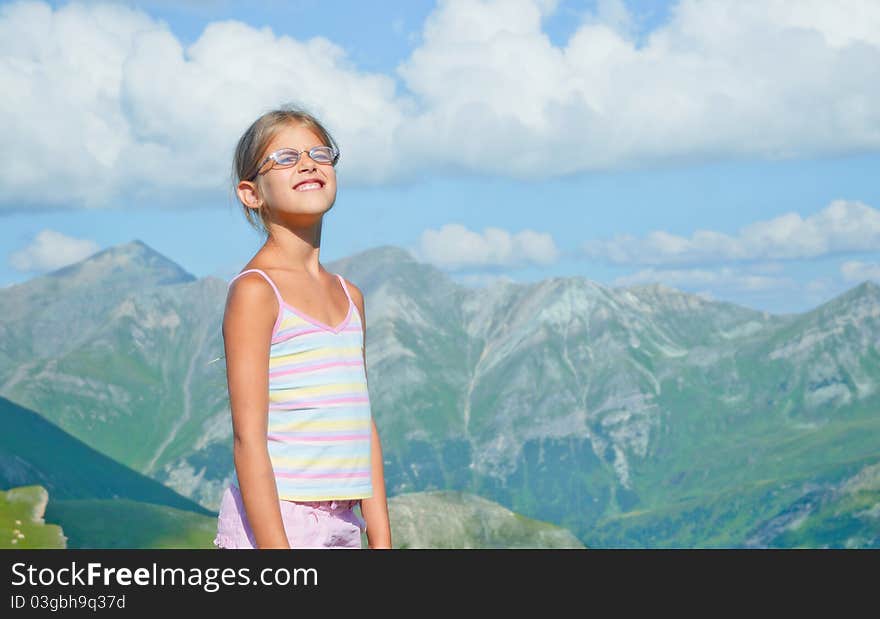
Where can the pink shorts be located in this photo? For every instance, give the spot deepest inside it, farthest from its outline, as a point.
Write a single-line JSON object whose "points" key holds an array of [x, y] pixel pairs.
{"points": [[308, 524]]}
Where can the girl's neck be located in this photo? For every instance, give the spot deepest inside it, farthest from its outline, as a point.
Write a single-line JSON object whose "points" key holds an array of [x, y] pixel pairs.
{"points": [[295, 250]]}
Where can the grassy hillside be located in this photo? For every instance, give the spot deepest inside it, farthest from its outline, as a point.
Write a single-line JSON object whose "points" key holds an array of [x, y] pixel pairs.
{"points": [[34, 451], [846, 516], [449, 519], [123, 523], [827, 510], [21, 520]]}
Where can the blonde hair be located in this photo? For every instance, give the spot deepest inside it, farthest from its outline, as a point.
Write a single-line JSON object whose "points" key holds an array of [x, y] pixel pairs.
{"points": [[250, 150]]}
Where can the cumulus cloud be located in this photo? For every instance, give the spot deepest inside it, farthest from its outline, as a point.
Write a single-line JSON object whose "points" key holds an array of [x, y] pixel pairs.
{"points": [[720, 79], [454, 246], [856, 271], [842, 226], [727, 279], [51, 250], [103, 104]]}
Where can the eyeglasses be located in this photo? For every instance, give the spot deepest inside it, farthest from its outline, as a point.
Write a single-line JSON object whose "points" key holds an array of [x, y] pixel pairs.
{"points": [[286, 157]]}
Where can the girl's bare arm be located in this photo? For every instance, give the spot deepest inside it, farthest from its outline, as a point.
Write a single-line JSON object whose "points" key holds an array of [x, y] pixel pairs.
{"points": [[375, 508], [247, 329]]}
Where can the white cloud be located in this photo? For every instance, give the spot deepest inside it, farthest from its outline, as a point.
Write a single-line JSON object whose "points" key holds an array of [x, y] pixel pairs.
{"points": [[720, 79], [103, 104], [842, 226], [725, 279], [454, 246], [856, 271], [52, 250]]}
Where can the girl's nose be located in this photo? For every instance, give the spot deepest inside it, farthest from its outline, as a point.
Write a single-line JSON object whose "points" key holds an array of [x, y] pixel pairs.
{"points": [[306, 163]]}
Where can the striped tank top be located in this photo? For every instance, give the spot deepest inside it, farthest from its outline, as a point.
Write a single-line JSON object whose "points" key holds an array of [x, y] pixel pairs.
{"points": [[319, 408]]}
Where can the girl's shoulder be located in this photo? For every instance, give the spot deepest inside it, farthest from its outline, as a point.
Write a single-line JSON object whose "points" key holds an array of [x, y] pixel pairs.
{"points": [[250, 313], [249, 287]]}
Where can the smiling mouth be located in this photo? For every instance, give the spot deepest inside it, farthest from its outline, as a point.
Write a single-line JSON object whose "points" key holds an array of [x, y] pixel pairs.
{"points": [[308, 186]]}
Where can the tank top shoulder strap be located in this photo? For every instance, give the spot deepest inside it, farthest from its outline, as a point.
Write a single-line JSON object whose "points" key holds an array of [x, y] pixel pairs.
{"points": [[266, 277], [344, 287]]}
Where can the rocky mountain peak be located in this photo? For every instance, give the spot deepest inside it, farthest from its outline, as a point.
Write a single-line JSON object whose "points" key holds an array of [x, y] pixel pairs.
{"points": [[134, 261]]}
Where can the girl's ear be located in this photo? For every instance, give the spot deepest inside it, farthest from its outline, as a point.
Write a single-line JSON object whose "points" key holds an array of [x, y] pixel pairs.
{"points": [[248, 194]]}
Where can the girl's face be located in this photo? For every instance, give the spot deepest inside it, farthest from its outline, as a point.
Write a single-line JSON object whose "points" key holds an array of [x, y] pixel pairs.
{"points": [[278, 185]]}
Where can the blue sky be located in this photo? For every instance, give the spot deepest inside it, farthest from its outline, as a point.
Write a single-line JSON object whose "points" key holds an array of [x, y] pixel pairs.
{"points": [[712, 148]]}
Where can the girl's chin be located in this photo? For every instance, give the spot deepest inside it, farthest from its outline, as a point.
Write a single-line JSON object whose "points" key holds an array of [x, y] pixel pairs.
{"points": [[309, 209]]}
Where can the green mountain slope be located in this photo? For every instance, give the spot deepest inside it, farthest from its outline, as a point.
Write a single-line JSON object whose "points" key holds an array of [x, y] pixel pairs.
{"points": [[33, 451], [123, 523], [841, 515], [448, 519]]}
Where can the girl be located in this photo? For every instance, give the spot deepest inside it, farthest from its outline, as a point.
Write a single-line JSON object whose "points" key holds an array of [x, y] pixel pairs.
{"points": [[305, 446]]}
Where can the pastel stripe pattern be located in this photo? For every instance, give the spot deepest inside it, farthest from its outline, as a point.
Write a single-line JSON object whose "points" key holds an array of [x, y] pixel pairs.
{"points": [[319, 408]]}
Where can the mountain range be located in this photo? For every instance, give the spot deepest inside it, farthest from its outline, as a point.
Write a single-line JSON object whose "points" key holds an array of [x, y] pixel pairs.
{"points": [[638, 416], [97, 502]]}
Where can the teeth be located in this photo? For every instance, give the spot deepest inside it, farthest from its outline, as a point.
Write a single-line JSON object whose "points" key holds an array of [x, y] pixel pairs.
{"points": [[308, 186]]}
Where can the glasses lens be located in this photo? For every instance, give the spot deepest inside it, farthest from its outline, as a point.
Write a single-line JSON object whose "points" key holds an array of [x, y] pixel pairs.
{"points": [[321, 154], [287, 156]]}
